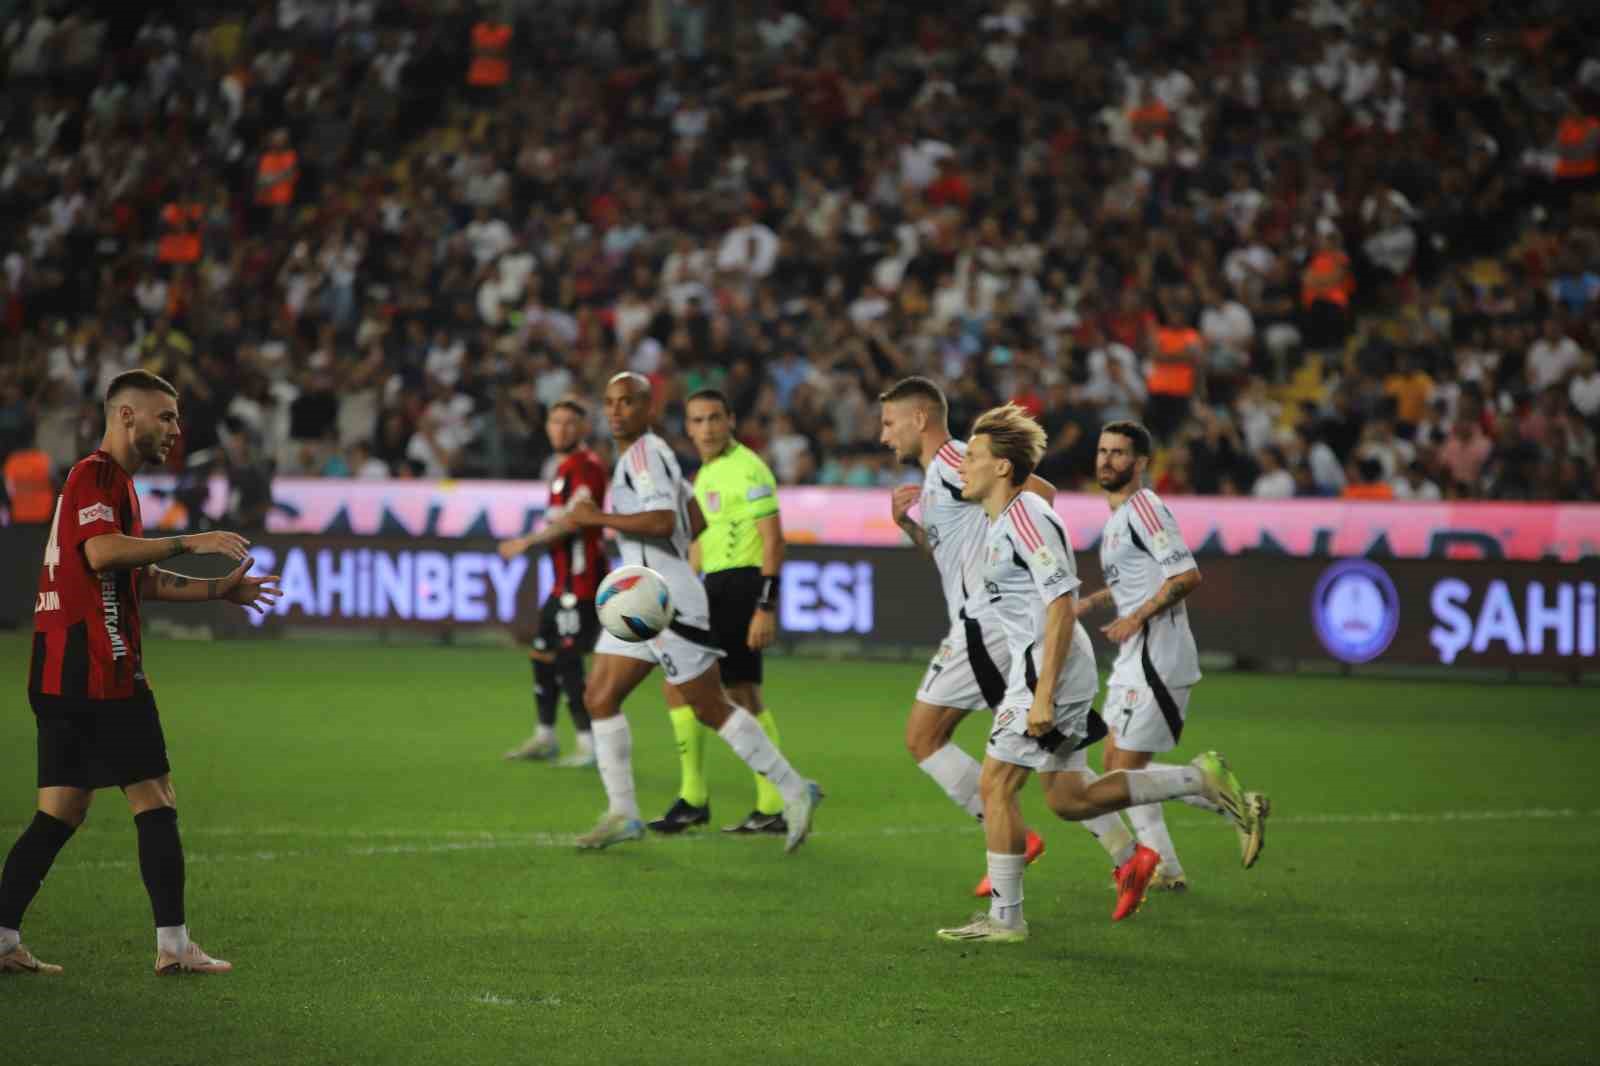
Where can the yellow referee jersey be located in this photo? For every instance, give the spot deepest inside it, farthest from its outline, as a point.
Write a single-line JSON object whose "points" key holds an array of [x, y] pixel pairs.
{"points": [[735, 491]]}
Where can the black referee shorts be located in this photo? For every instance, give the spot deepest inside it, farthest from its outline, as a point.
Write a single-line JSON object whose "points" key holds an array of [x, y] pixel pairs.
{"points": [[92, 744], [733, 595], [567, 625]]}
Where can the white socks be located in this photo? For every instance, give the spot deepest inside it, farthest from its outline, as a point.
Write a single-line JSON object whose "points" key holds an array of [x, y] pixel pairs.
{"points": [[751, 743], [957, 773], [1195, 800], [1113, 836], [172, 939], [1005, 877], [1151, 826], [1161, 783], [9, 938], [613, 750]]}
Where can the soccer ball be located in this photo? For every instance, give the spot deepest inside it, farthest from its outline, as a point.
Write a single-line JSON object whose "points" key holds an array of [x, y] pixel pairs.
{"points": [[633, 604]]}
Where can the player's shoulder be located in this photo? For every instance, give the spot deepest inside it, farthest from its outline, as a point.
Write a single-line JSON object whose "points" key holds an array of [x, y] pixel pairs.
{"points": [[1145, 509], [97, 470], [950, 454]]}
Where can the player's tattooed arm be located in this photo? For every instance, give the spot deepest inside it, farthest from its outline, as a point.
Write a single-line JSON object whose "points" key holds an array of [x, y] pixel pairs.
{"points": [[1171, 593], [900, 503], [1095, 601]]}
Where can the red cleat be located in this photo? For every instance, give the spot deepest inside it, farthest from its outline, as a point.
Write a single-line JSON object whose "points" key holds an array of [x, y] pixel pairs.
{"points": [[1031, 852], [1133, 879]]}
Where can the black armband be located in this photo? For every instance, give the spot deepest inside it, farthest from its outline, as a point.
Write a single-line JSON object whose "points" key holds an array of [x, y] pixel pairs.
{"points": [[769, 594]]}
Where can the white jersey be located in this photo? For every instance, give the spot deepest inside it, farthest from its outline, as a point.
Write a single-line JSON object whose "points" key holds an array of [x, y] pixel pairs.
{"points": [[956, 527], [1140, 548], [647, 478], [1027, 565]]}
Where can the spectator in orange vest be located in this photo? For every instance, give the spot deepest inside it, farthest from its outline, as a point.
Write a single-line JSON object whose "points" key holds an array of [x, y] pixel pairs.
{"points": [[1578, 148], [29, 486], [180, 234], [1171, 377], [277, 172], [1326, 285], [490, 68], [1368, 483]]}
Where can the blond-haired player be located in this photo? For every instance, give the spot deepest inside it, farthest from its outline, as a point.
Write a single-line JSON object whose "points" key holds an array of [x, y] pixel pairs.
{"points": [[1029, 576]]}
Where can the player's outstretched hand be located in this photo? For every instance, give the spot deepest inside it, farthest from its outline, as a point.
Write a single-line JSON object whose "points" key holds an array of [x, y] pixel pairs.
{"points": [[763, 630], [252, 593], [510, 549], [1122, 630], [904, 498], [217, 542]]}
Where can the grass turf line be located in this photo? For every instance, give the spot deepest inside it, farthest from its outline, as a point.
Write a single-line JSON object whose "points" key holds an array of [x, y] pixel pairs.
{"points": [[1461, 939]]}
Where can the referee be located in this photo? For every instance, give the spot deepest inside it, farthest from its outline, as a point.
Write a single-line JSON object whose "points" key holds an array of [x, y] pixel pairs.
{"points": [[740, 552]]}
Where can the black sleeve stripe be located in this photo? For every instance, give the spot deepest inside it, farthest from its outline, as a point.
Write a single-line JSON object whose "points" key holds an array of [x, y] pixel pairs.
{"points": [[1133, 534], [627, 479], [1054, 523], [954, 490]]}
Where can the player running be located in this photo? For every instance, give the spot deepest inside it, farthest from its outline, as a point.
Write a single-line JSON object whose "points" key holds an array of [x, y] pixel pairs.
{"points": [[568, 624], [1043, 723], [652, 515], [1149, 571], [741, 554], [96, 717], [969, 670]]}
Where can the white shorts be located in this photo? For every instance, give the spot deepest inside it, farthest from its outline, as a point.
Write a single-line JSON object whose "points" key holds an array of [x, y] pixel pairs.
{"points": [[1009, 742], [967, 673], [1137, 720], [685, 650]]}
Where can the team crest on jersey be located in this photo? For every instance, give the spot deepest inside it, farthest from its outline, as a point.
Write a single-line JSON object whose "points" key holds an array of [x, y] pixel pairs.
{"points": [[945, 652], [558, 486], [1045, 559], [1161, 542], [713, 501], [1130, 696], [933, 536]]}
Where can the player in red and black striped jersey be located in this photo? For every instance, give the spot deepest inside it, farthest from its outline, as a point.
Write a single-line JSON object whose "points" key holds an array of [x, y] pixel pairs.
{"points": [[568, 624], [97, 721]]}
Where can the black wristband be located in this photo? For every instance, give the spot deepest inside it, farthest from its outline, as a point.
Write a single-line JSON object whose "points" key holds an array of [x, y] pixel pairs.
{"points": [[769, 594]]}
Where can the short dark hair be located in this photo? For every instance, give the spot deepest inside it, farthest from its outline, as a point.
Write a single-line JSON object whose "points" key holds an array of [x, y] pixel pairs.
{"points": [[917, 388], [1135, 432], [140, 380], [709, 394], [567, 403]]}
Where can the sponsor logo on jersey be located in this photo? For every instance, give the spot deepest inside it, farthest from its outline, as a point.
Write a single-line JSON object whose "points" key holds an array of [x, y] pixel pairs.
{"points": [[713, 501], [1355, 610], [96, 512], [1056, 578], [48, 601], [758, 492], [111, 612]]}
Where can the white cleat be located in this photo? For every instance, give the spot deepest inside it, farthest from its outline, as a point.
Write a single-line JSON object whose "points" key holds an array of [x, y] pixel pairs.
{"points": [[611, 829], [536, 750], [798, 815], [986, 929], [581, 760], [192, 960]]}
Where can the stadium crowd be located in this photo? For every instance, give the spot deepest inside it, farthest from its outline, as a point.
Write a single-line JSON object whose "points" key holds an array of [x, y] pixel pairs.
{"points": [[1329, 248]]}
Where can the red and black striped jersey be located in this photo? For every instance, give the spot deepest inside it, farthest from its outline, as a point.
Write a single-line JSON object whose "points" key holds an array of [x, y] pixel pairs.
{"points": [[579, 560], [86, 624]]}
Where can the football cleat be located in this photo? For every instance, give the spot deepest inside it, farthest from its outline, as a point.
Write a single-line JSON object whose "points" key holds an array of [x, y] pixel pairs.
{"points": [[1221, 787], [536, 750], [611, 829], [983, 928], [191, 960], [580, 760], [1253, 841], [680, 816], [1133, 881], [756, 822], [1034, 849], [797, 816], [20, 960], [1162, 881]]}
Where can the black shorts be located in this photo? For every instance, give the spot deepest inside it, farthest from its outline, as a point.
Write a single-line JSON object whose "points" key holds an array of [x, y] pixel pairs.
{"points": [[733, 595], [92, 744], [567, 625]]}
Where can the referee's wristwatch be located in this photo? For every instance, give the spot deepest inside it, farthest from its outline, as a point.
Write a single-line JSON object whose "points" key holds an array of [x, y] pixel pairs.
{"points": [[768, 600]]}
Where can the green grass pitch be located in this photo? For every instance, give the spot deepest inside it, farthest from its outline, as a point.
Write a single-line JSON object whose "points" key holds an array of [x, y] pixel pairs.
{"points": [[391, 892]]}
